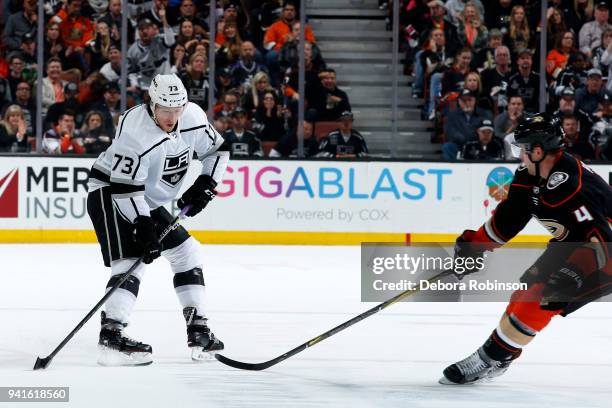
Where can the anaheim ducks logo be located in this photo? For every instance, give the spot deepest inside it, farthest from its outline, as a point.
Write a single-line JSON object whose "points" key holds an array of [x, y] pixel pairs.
{"points": [[556, 179], [537, 119], [555, 228]]}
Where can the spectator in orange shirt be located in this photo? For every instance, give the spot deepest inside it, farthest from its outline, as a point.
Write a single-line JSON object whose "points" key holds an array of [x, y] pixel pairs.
{"points": [[71, 140], [63, 138], [280, 31], [76, 32], [278, 34], [556, 60]]}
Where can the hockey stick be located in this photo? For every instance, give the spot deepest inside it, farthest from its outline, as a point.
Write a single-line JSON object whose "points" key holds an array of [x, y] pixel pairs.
{"points": [[266, 364], [44, 362]]}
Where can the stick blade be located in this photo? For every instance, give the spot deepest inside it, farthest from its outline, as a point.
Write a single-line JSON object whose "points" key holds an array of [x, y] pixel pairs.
{"points": [[41, 363], [240, 365]]}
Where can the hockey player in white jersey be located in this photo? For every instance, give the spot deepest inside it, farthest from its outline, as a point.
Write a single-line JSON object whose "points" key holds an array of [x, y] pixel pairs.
{"points": [[129, 183]]}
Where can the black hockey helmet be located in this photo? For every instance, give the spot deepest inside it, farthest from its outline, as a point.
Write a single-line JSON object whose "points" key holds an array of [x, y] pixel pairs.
{"points": [[539, 130]]}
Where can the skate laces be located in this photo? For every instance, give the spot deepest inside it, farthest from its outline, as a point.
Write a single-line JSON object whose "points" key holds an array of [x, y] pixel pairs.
{"points": [[112, 326], [127, 338], [473, 364]]}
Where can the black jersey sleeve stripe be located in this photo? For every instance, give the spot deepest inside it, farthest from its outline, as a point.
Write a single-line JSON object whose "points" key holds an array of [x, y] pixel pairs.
{"points": [[136, 169], [210, 136], [120, 188], [193, 128], [123, 120], [134, 205], [215, 166], [98, 175]]}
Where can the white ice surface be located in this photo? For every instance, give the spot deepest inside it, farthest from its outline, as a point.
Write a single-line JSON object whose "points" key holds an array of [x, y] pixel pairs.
{"points": [[263, 301]]}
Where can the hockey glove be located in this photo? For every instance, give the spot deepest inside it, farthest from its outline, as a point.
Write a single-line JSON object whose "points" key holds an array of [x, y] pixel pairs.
{"points": [[198, 195], [561, 286], [468, 256], [146, 237]]}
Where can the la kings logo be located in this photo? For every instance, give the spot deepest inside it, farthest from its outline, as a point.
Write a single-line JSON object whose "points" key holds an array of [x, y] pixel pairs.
{"points": [[175, 168]]}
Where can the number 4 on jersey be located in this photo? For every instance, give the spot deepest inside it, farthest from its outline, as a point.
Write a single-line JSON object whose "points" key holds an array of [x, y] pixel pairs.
{"points": [[582, 214]]}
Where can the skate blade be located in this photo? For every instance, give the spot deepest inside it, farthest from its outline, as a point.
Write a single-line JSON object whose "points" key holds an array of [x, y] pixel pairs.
{"points": [[199, 355], [113, 358], [446, 381]]}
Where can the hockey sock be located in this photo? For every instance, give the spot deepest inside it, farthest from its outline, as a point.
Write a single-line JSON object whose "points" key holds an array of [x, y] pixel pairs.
{"points": [[500, 348], [121, 303], [190, 289], [119, 306]]}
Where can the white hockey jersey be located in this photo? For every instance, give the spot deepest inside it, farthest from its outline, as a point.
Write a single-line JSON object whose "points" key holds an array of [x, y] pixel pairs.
{"points": [[145, 166]]}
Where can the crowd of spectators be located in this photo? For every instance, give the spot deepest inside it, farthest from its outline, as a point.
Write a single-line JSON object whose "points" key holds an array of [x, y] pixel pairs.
{"points": [[476, 68], [255, 84]]}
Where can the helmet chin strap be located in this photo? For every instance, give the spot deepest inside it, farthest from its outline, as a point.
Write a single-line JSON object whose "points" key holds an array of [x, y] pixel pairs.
{"points": [[537, 163]]}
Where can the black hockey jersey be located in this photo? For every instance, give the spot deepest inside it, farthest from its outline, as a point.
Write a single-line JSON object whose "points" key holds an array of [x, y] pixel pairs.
{"points": [[247, 145], [334, 145], [475, 150], [574, 204]]}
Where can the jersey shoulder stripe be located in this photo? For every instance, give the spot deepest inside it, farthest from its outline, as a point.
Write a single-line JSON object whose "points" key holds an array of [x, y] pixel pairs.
{"points": [[140, 156], [165, 139], [195, 118], [193, 128], [123, 119]]}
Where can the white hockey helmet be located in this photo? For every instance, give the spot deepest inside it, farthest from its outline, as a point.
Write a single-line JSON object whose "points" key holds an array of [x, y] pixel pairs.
{"points": [[167, 91]]}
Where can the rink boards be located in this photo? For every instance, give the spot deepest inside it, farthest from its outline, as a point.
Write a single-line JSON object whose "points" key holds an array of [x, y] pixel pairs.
{"points": [[43, 199]]}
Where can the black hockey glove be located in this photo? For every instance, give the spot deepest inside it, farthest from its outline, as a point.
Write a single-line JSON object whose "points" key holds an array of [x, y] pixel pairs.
{"points": [[198, 195], [146, 237], [468, 255], [561, 287]]}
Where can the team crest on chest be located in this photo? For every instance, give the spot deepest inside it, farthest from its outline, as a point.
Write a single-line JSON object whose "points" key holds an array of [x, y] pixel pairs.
{"points": [[175, 168], [556, 229], [556, 179]]}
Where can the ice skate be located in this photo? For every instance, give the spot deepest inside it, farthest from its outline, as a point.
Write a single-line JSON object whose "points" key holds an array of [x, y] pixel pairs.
{"points": [[116, 349], [477, 367], [201, 341]]}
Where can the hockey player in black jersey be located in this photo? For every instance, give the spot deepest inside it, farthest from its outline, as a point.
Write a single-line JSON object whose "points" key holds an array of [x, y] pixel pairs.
{"points": [[129, 185], [575, 205]]}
